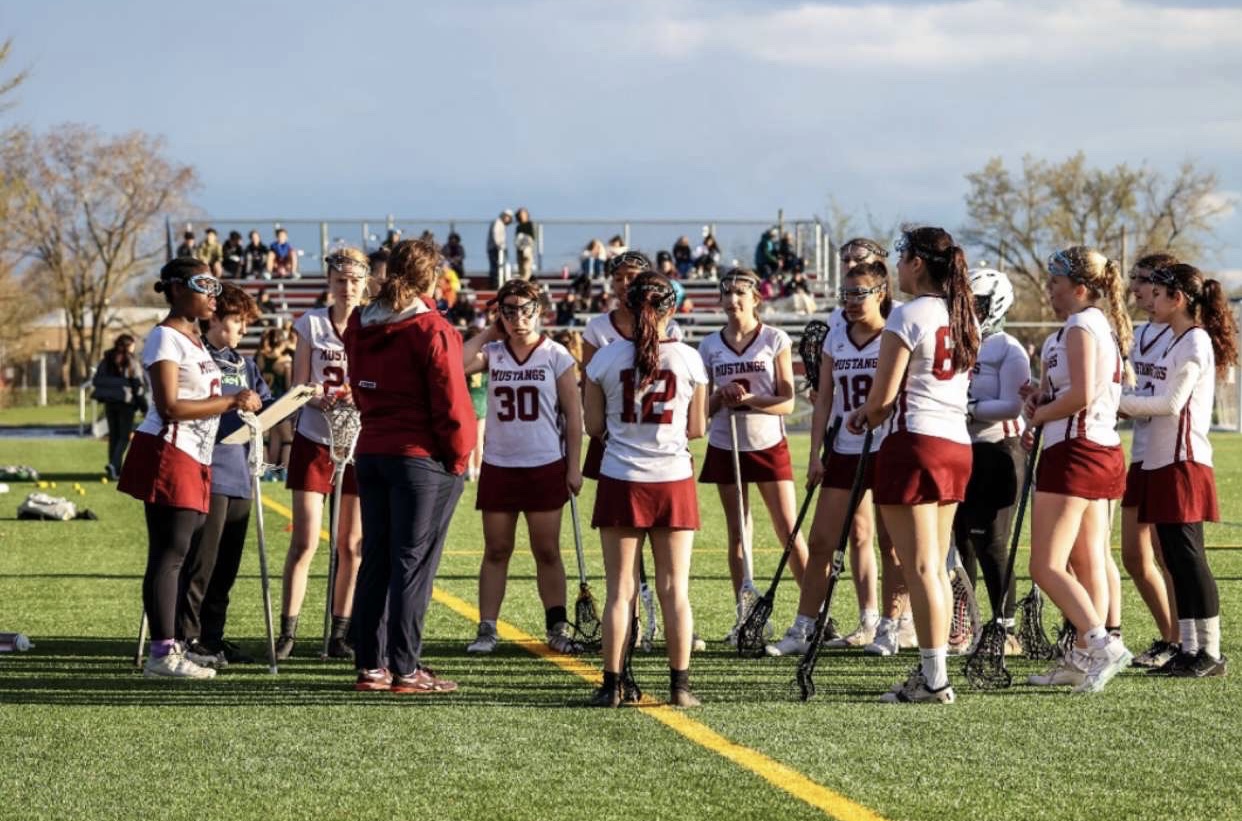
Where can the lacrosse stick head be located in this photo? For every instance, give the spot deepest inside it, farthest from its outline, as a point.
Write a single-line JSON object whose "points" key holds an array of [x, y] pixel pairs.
{"points": [[1066, 637], [810, 349], [344, 423], [985, 666], [752, 634], [586, 617], [963, 630], [806, 680], [1031, 635]]}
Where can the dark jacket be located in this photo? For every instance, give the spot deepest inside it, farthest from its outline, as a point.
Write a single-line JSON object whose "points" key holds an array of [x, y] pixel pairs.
{"points": [[230, 475]]}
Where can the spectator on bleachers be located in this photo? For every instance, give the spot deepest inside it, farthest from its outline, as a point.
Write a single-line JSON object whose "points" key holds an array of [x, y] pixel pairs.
{"points": [[616, 246], [798, 291], [767, 260], [496, 247], [394, 236], [565, 309], [323, 300], [447, 288], [790, 261], [524, 244], [379, 270], [572, 340], [664, 265], [683, 256], [594, 255], [266, 307], [599, 303], [429, 237], [211, 252], [284, 257], [707, 258], [258, 259], [187, 246], [455, 254], [234, 256], [464, 311]]}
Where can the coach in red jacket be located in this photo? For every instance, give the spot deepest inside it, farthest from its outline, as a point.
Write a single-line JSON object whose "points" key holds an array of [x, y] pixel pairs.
{"points": [[418, 429]]}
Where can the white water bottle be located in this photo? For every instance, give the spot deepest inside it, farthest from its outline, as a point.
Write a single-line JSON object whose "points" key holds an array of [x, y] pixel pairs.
{"points": [[10, 642]]}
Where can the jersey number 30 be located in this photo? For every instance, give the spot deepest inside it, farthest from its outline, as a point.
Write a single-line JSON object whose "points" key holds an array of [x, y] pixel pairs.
{"points": [[663, 395], [520, 403]]}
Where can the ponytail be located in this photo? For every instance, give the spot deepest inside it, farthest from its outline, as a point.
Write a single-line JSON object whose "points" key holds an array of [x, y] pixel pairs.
{"points": [[963, 328], [650, 298], [1217, 319], [1123, 328]]}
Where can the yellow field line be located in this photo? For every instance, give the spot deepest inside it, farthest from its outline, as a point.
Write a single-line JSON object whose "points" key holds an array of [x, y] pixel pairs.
{"points": [[774, 772]]}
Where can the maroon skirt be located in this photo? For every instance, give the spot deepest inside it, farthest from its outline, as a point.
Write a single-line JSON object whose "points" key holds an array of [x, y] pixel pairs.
{"points": [[1078, 467], [770, 465], [913, 469], [163, 474], [1136, 485], [840, 469], [522, 490], [643, 505], [594, 457], [310, 468], [1180, 493]]}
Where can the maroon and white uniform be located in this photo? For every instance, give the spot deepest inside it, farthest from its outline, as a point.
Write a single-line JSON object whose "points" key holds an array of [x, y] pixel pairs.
{"points": [[523, 463], [926, 454], [169, 463], [310, 458], [853, 374], [1150, 340], [647, 474], [1177, 461], [1082, 453], [763, 451]]}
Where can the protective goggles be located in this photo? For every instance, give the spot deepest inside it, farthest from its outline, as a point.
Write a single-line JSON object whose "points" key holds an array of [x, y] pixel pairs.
{"points": [[629, 259], [524, 310], [202, 284], [1164, 277], [351, 268], [861, 251], [857, 295], [1140, 279], [1060, 265], [738, 286]]}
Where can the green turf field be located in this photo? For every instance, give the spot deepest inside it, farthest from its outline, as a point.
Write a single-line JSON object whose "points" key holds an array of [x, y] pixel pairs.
{"points": [[84, 736]]}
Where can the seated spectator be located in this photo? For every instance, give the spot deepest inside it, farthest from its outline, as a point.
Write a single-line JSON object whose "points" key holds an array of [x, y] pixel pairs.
{"points": [[707, 258], [234, 262], [454, 253], [616, 246], [683, 256], [187, 246], [211, 252], [266, 307], [428, 237], [447, 287], [258, 259], [284, 257], [464, 312], [790, 261], [664, 265], [394, 236], [323, 300], [594, 255], [572, 340], [565, 309], [767, 261], [599, 303]]}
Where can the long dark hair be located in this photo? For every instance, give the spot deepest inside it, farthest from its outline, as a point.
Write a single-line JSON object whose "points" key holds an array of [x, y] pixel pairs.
{"points": [[649, 298], [1208, 307], [946, 265]]}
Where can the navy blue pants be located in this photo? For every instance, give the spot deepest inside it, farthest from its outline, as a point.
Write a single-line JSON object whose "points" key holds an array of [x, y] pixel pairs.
{"points": [[407, 504]]}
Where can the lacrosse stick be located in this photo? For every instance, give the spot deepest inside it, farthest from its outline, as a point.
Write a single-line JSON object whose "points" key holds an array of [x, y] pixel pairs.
{"points": [[1066, 637], [630, 691], [747, 596], [344, 423], [647, 596], [586, 616], [806, 667], [1031, 633], [810, 349], [966, 622], [255, 463], [985, 666], [142, 638], [752, 635]]}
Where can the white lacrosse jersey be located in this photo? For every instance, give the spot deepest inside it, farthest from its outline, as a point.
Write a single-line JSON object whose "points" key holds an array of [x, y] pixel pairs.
{"points": [[523, 409], [198, 377], [853, 373], [1098, 421], [1001, 369], [1183, 437], [647, 439], [932, 398], [755, 367], [600, 330], [328, 367], [1150, 340]]}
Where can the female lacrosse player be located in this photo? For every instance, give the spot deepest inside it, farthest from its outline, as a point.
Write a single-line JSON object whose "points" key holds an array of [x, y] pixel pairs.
{"points": [[168, 465], [751, 375], [320, 358], [1179, 488], [650, 395], [981, 528], [1139, 549], [1081, 465], [417, 434], [846, 373], [531, 456], [927, 349]]}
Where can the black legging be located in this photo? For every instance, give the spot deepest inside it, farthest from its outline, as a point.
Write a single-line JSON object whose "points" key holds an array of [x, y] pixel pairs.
{"points": [[211, 568], [169, 533], [120, 416], [981, 527], [1193, 582]]}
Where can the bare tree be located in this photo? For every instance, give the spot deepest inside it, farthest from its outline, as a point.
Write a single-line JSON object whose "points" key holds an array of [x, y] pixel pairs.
{"points": [[84, 208]]}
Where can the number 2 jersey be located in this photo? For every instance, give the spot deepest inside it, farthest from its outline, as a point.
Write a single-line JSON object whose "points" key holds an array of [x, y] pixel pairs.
{"points": [[328, 367], [755, 367], [1098, 421], [198, 377], [647, 439], [853, 373], [932, 399], [1150, 341], [1182, 436], [523, 408]]}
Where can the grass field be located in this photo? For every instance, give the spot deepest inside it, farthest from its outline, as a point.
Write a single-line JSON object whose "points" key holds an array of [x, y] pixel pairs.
{"points": [[84, 736]]}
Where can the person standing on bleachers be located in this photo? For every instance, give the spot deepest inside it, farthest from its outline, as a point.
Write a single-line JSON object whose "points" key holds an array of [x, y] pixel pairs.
{"points": [[496, 247]]}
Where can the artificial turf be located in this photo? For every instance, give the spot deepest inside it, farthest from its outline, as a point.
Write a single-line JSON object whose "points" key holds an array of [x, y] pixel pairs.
{"points": [[84, 736]]}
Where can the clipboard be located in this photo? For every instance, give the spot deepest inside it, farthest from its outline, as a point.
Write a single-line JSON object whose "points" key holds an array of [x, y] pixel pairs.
{"points": [[275, 413]]}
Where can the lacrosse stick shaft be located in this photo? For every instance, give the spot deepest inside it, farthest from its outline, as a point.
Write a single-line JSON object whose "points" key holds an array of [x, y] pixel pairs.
{"points": [[142, 638], [806, 506], [744, 534], [333, 518], [264, 578], [1028, 480], [573, 512]]}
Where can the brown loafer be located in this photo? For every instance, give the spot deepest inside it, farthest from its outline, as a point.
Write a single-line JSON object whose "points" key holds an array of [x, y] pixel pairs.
{"points": [[372, 680], [423, 680]]}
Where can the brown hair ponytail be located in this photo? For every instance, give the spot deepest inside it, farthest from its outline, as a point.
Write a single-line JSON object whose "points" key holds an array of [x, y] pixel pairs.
{"points": [[1217, 319], [650, 297], [946, 266]]}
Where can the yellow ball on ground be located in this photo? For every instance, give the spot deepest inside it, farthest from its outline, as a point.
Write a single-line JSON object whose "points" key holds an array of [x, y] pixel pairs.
{"points": [[42, 484], [51, 484], [103, 480]]}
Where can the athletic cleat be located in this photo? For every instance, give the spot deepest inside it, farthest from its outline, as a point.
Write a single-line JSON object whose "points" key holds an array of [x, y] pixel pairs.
{"points": [[861, 636], [797, 639], [370, 681], [683, 699], [284, 647], [175, 664], [1102, 664], [915, 691], [885, 642], [1156, 655], [561, 639], [605, 697], [485, 640], [915, 674], [907, 637], [422, 681], [1068, 671], [1201, 666], [338, 648], [233, 654], [1178, 661], [697, 645], [202, 655]]}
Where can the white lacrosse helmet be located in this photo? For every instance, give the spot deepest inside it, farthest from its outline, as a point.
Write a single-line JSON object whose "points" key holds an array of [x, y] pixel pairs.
{"points": [[993, 294]]}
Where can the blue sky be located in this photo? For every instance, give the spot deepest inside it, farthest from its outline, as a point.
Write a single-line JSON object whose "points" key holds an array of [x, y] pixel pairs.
{"points": [[637, 109]]}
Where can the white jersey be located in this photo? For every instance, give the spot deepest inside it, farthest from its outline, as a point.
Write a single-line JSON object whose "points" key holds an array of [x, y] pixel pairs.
{"points": [[647, 439], [198, 377], [523, 408], [1150, 340], [853, 374], [755, 367], [996, 408], [1183, 437], [933, 396], [600, 330], [1098, 421], [328, 368]]}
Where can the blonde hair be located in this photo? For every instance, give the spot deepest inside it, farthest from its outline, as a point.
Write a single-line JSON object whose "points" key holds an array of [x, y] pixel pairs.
{"points": [[1101, 277]]}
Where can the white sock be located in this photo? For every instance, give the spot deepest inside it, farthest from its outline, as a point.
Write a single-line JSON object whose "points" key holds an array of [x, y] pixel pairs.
{"points": [[804, 622], [1096, 637], [1208, 633], [884, 625], [1189, 636], [935, 662], [869, 617], [905, 617], [1009, 624]]}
